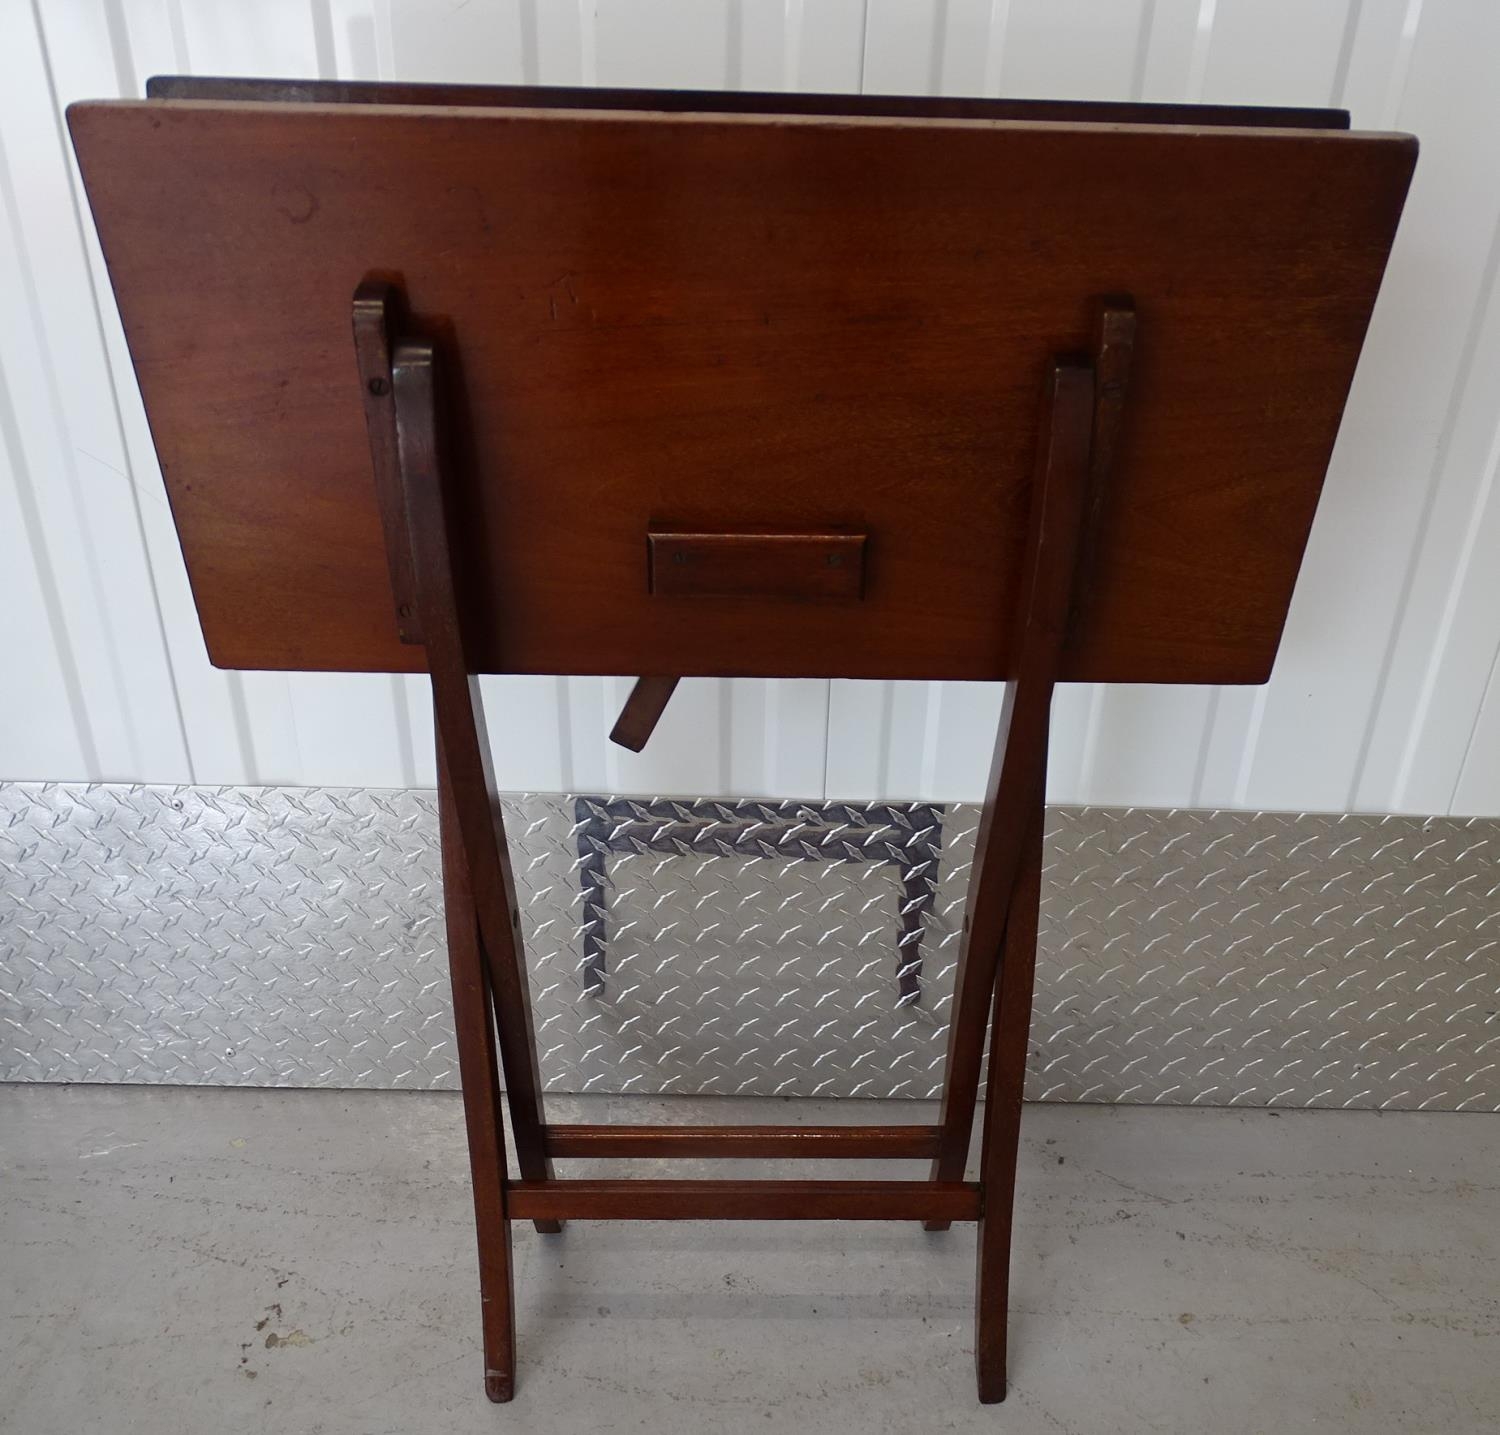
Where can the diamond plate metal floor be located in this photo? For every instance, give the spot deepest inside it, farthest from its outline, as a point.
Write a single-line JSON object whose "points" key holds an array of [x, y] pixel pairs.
{"points": [[292, 937]]}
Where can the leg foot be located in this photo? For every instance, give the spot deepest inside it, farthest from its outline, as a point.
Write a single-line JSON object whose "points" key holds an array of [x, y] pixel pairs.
{"points": [[991, 1299], [991, 1386], [548, 1228], [936, 1225], [499, 1388]]}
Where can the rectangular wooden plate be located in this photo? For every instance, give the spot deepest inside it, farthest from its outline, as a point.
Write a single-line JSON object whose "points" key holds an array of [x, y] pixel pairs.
{"points": [[808, 566], [648, 307]]}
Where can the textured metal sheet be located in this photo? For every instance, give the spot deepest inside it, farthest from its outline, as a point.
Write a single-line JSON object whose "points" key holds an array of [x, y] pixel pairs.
{"points": [[752, 947], [292, 937], [1266, 958]]}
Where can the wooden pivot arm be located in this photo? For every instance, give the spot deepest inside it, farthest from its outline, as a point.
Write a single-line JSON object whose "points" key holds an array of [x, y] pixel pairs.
{"points": [[642, 711]]}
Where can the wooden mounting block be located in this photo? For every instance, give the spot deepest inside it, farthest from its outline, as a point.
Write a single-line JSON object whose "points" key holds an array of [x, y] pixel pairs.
{"points": [[739, 385]]}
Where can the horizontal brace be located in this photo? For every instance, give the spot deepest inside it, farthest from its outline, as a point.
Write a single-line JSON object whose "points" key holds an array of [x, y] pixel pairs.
{"points": [[914, 1143], [743, 1201]]}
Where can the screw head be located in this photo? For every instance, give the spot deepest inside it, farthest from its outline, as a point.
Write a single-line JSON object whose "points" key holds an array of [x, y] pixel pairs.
{"points": [[379, 387]]}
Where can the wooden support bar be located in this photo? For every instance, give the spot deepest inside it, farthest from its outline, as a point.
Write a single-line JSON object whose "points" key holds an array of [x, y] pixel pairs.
{"points": [[913, 1143], [479, 1073], [1002, 1118], [1019, 767], [458, 713], [744, 1200]]}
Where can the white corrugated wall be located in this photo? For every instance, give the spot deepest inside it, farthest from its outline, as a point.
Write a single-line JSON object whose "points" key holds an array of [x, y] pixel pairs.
{"points": [[1384, 696]]}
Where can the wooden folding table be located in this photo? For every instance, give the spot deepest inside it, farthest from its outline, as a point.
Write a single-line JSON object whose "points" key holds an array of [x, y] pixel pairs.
{"points": [[669, 385]]}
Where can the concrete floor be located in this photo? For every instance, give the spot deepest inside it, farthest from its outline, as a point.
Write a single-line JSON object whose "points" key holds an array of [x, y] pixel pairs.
{"points": [[202, 1261]]}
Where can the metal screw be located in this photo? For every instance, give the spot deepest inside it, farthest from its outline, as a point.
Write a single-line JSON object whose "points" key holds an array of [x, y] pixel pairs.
{"points": [[379, 387], [404, 611], [835, 560]]}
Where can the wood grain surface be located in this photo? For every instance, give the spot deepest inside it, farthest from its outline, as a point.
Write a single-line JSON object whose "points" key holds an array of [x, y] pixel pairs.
{"points": [[739, 323]]}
